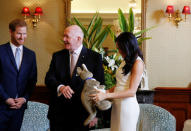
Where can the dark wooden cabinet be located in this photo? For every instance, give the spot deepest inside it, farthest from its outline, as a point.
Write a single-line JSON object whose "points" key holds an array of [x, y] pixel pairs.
{"points": [[40, 94], [145, 96], [177, 101]]}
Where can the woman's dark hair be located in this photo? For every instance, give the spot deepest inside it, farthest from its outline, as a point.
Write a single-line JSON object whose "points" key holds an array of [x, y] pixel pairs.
{"points": [[128, 44]]}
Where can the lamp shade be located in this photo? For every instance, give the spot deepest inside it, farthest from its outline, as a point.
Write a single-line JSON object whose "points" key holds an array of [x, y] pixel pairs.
{"points": [[186, 10], [132, 3], [25, 11], [170, 9], [38, 11]]}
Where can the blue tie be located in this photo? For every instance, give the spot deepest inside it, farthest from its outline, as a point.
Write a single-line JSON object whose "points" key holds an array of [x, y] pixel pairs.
{"points": [[17, 57]]}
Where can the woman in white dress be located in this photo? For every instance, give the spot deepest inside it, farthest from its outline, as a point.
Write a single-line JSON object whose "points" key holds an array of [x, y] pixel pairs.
{"points": [[125, 108]]}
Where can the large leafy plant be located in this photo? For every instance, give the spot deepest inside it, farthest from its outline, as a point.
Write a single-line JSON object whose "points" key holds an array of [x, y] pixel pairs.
{"points": [[94, 33], [127, 25]]}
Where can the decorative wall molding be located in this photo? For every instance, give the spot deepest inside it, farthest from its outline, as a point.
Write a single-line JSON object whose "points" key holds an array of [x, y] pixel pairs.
{"points": [[67, 4], [108, 18]]}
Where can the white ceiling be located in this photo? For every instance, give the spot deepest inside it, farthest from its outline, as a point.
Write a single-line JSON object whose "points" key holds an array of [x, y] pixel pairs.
{"points": [[102, 6]]}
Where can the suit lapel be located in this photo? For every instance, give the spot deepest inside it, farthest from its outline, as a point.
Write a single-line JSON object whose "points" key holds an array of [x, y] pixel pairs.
{"points": [[24, 59], [11, 56], [66, 63]]}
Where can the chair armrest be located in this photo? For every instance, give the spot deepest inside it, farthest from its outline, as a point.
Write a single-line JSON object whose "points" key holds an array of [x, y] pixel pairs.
{"points": [[35, 117], [155, 118]]}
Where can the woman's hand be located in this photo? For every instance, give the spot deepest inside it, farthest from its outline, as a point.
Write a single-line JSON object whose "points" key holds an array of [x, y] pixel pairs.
{"points": [[98, 96]]}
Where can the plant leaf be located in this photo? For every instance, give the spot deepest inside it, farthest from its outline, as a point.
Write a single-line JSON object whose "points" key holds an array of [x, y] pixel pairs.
{"points": [[101, 37], [122, 21], [143, 31], [91, 23], [95, 28], [131, 21], [98, 29], [140, 40], [112, 51], [85, 43], [112, 34]]}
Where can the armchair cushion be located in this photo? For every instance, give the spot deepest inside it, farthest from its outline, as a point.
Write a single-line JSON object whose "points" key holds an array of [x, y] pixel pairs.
{"points": [[155, 118], [35, 117]]}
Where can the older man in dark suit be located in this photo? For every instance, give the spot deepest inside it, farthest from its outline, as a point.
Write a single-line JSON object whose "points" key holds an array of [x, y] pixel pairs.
{"points": [[18, 76], [66, 112]]}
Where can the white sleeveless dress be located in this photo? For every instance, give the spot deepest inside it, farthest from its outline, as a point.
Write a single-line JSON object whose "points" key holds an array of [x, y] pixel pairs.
{"points": [[125, 111]]}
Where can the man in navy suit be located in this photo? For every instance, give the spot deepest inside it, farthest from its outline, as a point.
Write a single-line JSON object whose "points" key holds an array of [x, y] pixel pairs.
{"points": [[66, 112], [18, 77]]}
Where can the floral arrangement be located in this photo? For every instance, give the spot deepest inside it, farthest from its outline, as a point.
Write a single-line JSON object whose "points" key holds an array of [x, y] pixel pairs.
{"points": [[110, 65], [112, 62]]}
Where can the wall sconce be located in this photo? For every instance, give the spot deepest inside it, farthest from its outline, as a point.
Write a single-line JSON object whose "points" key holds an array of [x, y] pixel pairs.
{"points": [[36, 16], [175, 16]]}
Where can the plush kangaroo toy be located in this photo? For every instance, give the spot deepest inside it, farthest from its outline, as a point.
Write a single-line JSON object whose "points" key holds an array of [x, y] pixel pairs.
{"points": [[89, 88]]}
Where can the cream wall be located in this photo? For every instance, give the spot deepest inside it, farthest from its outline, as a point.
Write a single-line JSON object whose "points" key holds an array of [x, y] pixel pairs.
{"points": [[168, 53], [44, 40]]}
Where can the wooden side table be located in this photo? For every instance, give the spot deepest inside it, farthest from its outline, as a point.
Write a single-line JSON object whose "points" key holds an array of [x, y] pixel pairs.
{"points": [[177, 100]]}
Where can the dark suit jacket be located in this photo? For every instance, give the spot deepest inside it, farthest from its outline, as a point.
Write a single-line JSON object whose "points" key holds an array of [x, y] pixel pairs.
{"points": [[12, 80], [70, 111]]}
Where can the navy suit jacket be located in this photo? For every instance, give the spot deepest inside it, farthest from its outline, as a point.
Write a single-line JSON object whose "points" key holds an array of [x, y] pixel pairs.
{"points": [[70, 111], [13, 81]]}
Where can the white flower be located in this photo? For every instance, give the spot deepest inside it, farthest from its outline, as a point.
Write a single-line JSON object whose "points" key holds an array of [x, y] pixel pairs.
{"points": [[114, 67], [111, 63]]}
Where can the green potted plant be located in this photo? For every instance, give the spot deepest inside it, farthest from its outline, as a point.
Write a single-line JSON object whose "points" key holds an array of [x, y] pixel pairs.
{"points": [[112, 62], [127, 25], [94, 34]]}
